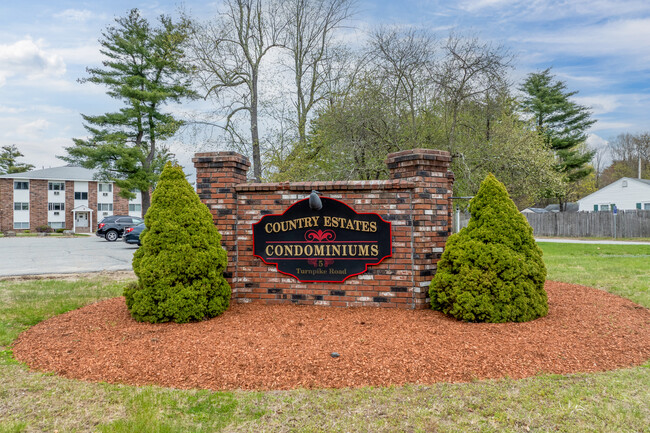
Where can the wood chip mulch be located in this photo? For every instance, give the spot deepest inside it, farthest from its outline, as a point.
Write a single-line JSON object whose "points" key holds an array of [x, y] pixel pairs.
{"points": [[265, 347]]}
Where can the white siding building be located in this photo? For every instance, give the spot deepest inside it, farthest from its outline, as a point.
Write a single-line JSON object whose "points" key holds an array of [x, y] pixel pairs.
{"points": [[626, 194]]}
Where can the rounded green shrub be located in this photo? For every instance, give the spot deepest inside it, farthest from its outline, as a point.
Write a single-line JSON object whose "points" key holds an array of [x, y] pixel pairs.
{"points": [[181, 262], [492, 270]]}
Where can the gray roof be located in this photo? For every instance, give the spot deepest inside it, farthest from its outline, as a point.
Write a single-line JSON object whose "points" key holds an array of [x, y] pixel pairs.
{"points": [[570, 207], [67, 172], [535, 210], [644, 180]]}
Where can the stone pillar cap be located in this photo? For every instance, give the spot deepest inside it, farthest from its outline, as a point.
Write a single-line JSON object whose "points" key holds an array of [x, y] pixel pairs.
{"points": [[224, 156], [422, 154]]}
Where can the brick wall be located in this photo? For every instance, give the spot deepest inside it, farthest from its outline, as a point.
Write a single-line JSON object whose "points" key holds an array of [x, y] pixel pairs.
{"points": [[416, 200], [69, 204], [6, 205], [95, 218], [37, 203], [120, 204]]}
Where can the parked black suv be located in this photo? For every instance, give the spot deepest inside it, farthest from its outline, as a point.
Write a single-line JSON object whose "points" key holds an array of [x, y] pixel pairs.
{"points": [[112, 227]]}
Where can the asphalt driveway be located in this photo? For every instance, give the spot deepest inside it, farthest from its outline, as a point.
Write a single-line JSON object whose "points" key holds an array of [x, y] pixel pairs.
{"points": [[57, 255], [62, 255]]}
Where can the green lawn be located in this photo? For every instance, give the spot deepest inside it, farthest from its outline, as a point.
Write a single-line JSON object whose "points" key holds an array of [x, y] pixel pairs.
{"points": [[620, 269], [616, 401]]}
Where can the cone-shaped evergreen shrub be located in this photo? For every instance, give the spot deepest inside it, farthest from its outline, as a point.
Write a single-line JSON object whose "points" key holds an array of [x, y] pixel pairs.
{"points": [[492, 270], [181, 262]]}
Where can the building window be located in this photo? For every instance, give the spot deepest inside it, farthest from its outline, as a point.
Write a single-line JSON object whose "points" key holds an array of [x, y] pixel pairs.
{"points": [[56, 225], [105, 207], [55, 206], [21, 185], [646, 206], [135, 207], [21, 226], [56, 186], [105, 187], [605, 207], [81, 196], [21, 206]]}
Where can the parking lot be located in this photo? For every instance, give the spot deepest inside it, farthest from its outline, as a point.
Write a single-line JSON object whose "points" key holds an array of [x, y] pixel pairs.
{"points": [[50, 255]]}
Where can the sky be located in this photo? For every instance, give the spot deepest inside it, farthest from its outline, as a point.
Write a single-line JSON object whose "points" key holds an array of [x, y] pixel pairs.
{"points": [[599, 48]]}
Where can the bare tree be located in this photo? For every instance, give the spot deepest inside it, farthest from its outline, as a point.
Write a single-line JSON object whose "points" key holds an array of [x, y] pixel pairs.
{"points": [[404, 59], [227, 56], [600, 153], [633, 150], [471, 71], [623, 147], [315, 59], [642, 142]]}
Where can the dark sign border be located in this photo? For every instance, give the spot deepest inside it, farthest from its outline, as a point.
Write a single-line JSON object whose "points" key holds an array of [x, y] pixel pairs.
{"points": [[390, 240]]}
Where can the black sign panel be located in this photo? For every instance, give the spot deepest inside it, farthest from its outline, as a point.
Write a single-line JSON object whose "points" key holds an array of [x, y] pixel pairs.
{"points": [[326, 245]]}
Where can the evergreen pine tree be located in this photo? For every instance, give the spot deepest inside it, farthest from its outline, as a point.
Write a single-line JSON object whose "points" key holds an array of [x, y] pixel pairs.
{"points": [[562, 122], [145, 70], [181, 262], [9, 163], [492, 270]]}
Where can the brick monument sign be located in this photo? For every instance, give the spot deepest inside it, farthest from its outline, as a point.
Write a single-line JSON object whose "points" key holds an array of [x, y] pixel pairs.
{"points": [[395, 228]]}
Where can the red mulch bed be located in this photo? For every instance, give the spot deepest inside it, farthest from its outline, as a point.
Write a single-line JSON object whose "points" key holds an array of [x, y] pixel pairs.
{"points": [[285, 346]]}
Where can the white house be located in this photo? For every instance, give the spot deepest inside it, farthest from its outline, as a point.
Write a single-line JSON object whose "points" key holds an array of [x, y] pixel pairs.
{"points": [[626, 193]]}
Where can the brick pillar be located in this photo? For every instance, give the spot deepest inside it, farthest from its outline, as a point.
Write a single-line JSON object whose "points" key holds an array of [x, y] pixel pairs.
{"points": [[95, 217], [120, 204], [38, 204], [69, 204], [217, 173], [431, 209], [6, 204]]}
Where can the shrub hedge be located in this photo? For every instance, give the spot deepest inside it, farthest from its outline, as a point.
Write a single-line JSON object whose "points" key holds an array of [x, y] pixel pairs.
{"points": [[492, 270], [181, 262]]}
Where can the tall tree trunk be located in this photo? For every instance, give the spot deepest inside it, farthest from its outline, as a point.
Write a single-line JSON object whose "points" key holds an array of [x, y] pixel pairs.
{"points": [[146, 201], [302, 133], [255, 140]]}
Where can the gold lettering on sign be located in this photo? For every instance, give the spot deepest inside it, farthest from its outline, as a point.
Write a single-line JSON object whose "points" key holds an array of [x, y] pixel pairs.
{"points": [[329, 250], [311, 222], [295, 224]]}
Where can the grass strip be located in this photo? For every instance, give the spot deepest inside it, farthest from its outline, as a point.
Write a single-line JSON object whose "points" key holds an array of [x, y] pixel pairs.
{"points": [[620, 269]]}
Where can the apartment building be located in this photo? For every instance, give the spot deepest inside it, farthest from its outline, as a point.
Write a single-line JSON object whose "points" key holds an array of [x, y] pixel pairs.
{"points": [[66, 197]]}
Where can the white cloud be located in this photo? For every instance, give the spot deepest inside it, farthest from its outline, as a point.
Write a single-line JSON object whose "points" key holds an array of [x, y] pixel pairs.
{"points": [[586, 79], [10, 110], [553, 10], [34, 128], [478, 5], [75, 15], [604, 126], [87, 54], [596, 142], [602, 157], [28, 58], [617, 38], [52, 109], [60, 86], [599, 104], [42, 153]]}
